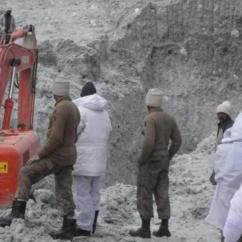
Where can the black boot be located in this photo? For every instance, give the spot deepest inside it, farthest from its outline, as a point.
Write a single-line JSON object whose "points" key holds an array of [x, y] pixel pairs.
{"points": [[163, 229], [222, 237], [82, 232], [18, 211], [67, 231], [144, 231], [94, 226]]}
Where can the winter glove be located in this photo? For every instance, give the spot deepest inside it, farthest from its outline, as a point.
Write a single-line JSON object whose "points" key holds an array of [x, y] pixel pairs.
{"points": [[212, 179]]}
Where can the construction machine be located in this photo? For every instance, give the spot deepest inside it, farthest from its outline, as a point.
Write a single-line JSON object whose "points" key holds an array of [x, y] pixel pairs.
{"points": [[18, 143]]}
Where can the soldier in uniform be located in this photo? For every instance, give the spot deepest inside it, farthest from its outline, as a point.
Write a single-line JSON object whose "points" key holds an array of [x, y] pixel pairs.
{"points": [[57, 157], [153, 166]]}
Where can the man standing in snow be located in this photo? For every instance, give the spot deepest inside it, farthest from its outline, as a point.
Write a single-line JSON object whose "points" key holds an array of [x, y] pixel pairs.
{"points": [[223, 112], [228, 174], [57, 157], [153, 165], [92, 149]]}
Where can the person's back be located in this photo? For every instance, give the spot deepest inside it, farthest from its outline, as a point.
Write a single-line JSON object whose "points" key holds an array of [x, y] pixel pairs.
{"points": [[162, 139], [166, 130], [92, 149], [56, 157], [72, 117], [94, 137], [66, 115]]}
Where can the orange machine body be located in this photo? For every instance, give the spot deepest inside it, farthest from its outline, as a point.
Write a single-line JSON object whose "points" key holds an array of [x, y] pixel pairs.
{"points": [[18, 145], [16, 149]]}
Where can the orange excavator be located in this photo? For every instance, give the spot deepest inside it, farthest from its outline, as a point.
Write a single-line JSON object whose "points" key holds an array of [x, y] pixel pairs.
{"points": [[18, 143]]}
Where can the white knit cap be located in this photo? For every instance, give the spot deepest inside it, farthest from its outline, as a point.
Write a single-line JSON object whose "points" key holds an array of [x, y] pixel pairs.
{"points": [[154, 98], [61, 88], [224, 107]]}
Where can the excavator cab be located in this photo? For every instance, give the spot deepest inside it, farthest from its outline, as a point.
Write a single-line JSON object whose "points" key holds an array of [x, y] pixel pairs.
{"points": [[18, 73]]}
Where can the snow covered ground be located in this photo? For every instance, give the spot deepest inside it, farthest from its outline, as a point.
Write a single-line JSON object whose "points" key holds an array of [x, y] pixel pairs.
{"points": [[190, 194]]}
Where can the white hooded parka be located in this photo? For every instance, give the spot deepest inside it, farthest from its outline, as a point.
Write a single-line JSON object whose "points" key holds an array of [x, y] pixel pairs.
{"points": [[92, 144], [228, 173], [233, 226]]}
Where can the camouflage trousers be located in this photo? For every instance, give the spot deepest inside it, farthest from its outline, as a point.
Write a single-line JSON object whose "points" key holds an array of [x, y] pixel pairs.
{"points": [[37, 170], [153, 180]]}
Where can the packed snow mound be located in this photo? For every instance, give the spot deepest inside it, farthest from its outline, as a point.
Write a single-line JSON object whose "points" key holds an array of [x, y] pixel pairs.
{"points": [[190, 194]]}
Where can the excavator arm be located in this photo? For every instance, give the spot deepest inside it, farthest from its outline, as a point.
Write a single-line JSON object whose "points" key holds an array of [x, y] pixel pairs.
{"points": [[21, 61], [18, 145]]}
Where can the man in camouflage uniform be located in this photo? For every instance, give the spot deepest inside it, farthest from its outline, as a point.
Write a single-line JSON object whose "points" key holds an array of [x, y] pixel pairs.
{"points": [[56, 157], [153, 165]]}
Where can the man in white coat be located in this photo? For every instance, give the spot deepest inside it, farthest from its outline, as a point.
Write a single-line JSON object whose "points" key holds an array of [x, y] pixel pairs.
{"points": [[223, 112], [228, 173], [233, 227], [90, 167]]}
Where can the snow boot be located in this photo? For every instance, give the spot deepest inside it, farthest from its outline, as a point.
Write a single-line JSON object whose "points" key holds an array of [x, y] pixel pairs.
{"points": [[163, 230], [67, 231], [18, 211], [222, 237], [94, 226], [82, 232], [144, 231]]}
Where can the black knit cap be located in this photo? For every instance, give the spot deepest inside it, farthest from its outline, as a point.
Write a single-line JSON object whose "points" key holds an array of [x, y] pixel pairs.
{"points": [[88, 89]]}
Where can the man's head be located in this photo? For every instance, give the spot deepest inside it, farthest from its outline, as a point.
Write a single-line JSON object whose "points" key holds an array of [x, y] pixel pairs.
{"points": [[8, 10], [61, 89], [154, 98], [88, 89], [223, 111]]}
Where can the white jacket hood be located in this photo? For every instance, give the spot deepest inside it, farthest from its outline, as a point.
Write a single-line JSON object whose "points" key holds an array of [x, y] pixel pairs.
{"points": [[93, 102], [235, 132]]}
